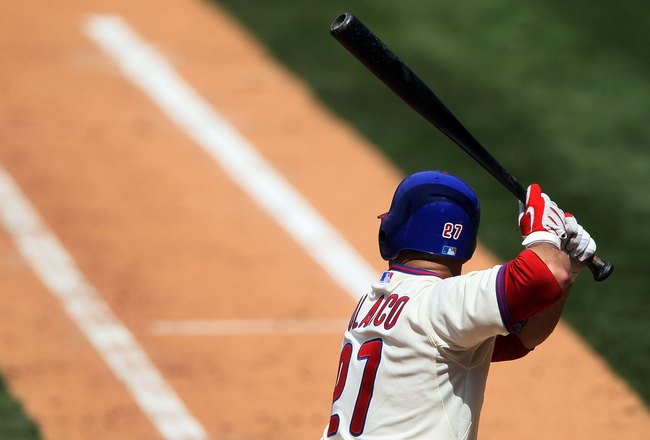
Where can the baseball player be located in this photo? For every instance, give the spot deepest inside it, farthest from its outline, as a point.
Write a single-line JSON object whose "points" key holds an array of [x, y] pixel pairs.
{"points": [[416, 352]]}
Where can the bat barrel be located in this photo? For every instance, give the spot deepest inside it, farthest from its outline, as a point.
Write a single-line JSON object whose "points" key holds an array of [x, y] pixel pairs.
{"points": [[352, 34], [342, 21]]}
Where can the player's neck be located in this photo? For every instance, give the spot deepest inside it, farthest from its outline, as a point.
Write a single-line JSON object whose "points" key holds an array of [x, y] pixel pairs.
{"points": [[441, 266], [443, 270]]}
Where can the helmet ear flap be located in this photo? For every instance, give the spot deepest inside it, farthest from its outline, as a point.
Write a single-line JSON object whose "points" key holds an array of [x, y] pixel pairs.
{"points": [[431, 212]]}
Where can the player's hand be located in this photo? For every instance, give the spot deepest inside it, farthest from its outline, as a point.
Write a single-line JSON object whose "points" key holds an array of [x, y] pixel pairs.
{"points": [[540, 219], [579, 244]]}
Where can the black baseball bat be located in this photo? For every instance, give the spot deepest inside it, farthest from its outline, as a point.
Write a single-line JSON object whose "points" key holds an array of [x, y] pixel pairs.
{"points": [[385, 65]]}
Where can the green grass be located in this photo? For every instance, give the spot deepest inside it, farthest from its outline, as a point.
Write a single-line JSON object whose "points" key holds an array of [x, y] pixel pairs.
{"points": [[559, 92], [14, 423]]}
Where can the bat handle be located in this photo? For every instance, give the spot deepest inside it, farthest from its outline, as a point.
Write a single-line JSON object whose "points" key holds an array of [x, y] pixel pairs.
{"points": [[600, 269]]}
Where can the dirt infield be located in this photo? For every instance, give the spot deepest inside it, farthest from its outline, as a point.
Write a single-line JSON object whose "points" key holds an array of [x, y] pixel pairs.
{"points": [[164, 234]]}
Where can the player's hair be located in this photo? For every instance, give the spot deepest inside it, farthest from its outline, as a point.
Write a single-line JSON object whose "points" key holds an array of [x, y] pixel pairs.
{"points": [[432, 212]]}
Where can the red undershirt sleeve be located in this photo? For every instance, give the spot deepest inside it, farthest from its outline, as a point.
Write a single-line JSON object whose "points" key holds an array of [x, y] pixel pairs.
{"points": [[508, 348], [525, 287]]}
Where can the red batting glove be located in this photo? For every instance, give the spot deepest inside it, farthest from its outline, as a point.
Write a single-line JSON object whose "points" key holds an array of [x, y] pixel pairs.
{"points": [[540, 220], [579, 244]]}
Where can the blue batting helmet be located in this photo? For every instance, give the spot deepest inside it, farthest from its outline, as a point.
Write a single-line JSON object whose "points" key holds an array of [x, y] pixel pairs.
{"points": [[432, 212]]}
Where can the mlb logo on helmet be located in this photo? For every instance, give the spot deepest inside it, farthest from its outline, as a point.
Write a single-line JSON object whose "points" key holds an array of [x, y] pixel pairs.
{"points": [[449, 250]]}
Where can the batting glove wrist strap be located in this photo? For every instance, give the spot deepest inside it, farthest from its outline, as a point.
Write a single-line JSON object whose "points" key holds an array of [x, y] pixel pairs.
{"points": [[542, 237]]}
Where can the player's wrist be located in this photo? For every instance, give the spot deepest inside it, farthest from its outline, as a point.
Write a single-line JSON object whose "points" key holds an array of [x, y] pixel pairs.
{"points": [[542, 237]]}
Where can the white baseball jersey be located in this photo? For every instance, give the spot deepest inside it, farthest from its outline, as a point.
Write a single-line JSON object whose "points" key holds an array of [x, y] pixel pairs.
{"points": [[415, 357]]}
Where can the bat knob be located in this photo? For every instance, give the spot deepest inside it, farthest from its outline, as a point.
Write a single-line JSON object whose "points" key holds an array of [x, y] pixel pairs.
{"points": [[600, 269]]}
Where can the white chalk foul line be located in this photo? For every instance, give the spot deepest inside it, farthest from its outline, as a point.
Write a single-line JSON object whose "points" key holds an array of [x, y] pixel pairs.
{"points": [[153, 74], [234, 327], [116, 345]]}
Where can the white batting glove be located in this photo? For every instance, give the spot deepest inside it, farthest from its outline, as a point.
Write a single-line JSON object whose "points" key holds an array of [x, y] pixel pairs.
{"points": [[540, 219], [579, 244]]}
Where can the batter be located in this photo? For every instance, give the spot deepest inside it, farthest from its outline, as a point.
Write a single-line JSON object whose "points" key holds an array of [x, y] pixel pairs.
{"points": [[417, 350]]}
